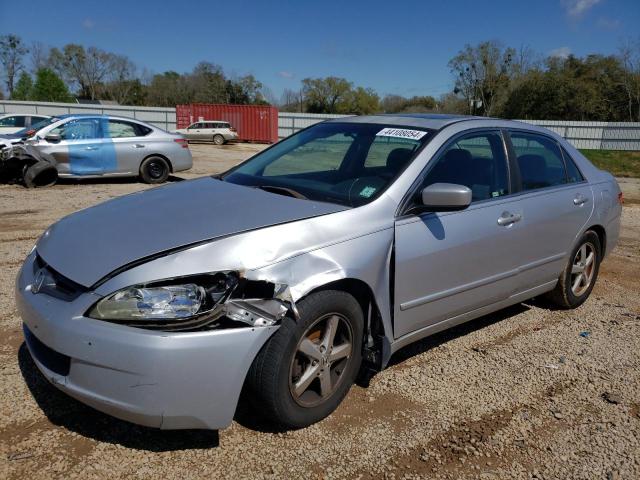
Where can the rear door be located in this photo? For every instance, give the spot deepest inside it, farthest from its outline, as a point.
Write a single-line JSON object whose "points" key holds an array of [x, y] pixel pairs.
{"points": [[129, 144], [556, 204], [451, 263]]}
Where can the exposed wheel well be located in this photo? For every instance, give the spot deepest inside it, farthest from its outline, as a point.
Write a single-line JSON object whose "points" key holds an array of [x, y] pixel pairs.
{"points": [[161, 156], [602, 236], [374, 328]]}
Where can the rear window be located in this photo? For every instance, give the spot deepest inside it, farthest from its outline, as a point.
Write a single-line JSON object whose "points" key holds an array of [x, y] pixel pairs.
{"points": [[123, 129], [539, 159]]}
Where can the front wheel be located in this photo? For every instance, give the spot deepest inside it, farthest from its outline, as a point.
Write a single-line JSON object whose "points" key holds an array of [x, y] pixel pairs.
{"points": [[579, 276], [218, 139], [154, 170], [307, 368]]}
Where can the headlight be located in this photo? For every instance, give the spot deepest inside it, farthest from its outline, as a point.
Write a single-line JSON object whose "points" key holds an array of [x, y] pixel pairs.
{"points": [[151, 303], [216, 300]]}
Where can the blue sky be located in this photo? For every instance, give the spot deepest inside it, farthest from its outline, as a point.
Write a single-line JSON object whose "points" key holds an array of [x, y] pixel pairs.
{"points": [[392, 46]]}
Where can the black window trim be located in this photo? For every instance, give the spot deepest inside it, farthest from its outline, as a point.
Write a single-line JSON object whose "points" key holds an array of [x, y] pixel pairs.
{"points": [[516, 167], [405, 204]]}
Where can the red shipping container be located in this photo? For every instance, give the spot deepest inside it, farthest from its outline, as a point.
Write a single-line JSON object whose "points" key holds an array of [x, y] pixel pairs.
{"points": [[255, 123]]}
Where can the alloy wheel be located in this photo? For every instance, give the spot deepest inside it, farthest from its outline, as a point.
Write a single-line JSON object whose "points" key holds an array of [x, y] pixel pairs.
{"points": [[320, 360], [583, 269]]}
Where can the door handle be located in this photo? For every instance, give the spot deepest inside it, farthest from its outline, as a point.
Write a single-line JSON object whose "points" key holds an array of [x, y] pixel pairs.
{"points": [[138, 145], [91, 148], [580, 200], [508, 218]]}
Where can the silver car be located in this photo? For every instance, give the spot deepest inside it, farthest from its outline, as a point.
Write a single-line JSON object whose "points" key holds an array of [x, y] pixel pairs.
{"points": [[108, 146], [308, 264], [216, 131]]}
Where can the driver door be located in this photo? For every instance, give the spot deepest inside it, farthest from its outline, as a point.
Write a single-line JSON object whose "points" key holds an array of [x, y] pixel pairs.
{"points": [[81, 149], [451, 263]]}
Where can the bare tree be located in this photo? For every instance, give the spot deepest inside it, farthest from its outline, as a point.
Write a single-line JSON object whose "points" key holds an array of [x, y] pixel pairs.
{"points": [[121, 78], [12, 51], [39, 54], [86, 68], [482, 75], [630, 58]]}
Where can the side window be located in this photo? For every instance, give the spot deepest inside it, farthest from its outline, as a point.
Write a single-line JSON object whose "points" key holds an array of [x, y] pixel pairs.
{"points": [[120, 129], [195, 126], [83, 129], [224, 125], [15, 121], [539, 159], [573, 174], [476, 161]]}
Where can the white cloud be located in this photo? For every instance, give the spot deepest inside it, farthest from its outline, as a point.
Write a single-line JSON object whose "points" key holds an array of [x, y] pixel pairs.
{"points": [[576, 8], [285, 74], [88, 23], [561, 52], [606, 23]]}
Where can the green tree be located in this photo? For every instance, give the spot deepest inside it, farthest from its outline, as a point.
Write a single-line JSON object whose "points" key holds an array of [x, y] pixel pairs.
{"points": [[24, 88], [49, 87], [327, 95], [363, 101]]}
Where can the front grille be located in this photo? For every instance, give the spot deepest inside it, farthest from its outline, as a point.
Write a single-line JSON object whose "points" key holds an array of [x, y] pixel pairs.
{"points": [[52, 360], [54, 283]]}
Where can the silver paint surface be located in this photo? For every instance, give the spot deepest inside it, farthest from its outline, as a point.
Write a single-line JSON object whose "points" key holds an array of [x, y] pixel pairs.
{"points": [[448, 268]]}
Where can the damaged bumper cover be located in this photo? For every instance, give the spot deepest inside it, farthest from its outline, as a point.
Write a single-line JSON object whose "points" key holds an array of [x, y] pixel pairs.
{"points": [[169, 380]]}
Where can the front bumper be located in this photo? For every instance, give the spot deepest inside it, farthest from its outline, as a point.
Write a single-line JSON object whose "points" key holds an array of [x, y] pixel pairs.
{"points": [[159, 379]]}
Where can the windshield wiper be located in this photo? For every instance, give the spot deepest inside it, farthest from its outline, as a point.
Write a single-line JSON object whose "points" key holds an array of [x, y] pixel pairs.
{"points": [[281, 190]]}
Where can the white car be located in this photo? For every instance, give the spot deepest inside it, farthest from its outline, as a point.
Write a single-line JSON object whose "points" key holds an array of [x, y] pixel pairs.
{"points": [[216, 131], [12, 123]]}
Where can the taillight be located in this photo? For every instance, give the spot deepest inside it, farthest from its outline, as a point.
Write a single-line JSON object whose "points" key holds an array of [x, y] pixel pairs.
{"points": [[183, 143], [620, 198], [233, 129]]}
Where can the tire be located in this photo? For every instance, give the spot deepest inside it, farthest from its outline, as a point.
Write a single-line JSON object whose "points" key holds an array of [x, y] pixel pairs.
{"points": [[40, 174], [154, 170], [218, 139], [570, 292], [276, 377]]}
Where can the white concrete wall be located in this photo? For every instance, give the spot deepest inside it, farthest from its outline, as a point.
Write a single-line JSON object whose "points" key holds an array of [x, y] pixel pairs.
{"points": [[592, 135]]}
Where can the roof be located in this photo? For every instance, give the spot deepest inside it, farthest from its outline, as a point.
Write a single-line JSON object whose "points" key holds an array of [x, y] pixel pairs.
{"points": [[433, 121]]}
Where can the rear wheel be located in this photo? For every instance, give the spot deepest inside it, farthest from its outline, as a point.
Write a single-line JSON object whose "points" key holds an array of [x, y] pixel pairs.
{"points": [[306, 369], [154, 170], [218, 139], [579, 276]]}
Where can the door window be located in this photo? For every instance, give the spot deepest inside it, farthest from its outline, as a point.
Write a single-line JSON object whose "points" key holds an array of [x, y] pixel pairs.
{"points": [[14, 121], [539, 160], [477, 161], [121, 129], [573, 174], [81, 129]]}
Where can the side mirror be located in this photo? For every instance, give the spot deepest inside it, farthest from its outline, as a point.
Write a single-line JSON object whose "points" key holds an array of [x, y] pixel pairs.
{"points": [[53, 137], [440, 197]]}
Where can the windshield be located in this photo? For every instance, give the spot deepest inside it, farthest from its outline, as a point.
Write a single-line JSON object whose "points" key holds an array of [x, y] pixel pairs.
{"points": [[36, 126], [345, 163]]}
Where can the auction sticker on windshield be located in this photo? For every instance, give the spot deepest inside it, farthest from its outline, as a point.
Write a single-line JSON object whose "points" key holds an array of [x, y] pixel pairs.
{"points": [[401, 133]]}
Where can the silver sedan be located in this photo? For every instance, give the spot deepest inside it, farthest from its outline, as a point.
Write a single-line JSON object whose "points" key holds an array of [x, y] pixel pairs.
{"points": [[308, 264], [108, 146]]}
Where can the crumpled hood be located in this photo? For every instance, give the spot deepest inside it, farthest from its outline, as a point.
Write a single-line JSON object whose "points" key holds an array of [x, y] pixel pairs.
{"points": [[88, 245]]}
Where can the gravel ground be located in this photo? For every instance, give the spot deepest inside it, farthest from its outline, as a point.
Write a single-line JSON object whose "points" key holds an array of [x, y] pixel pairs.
{"points": [[517, 394]]}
